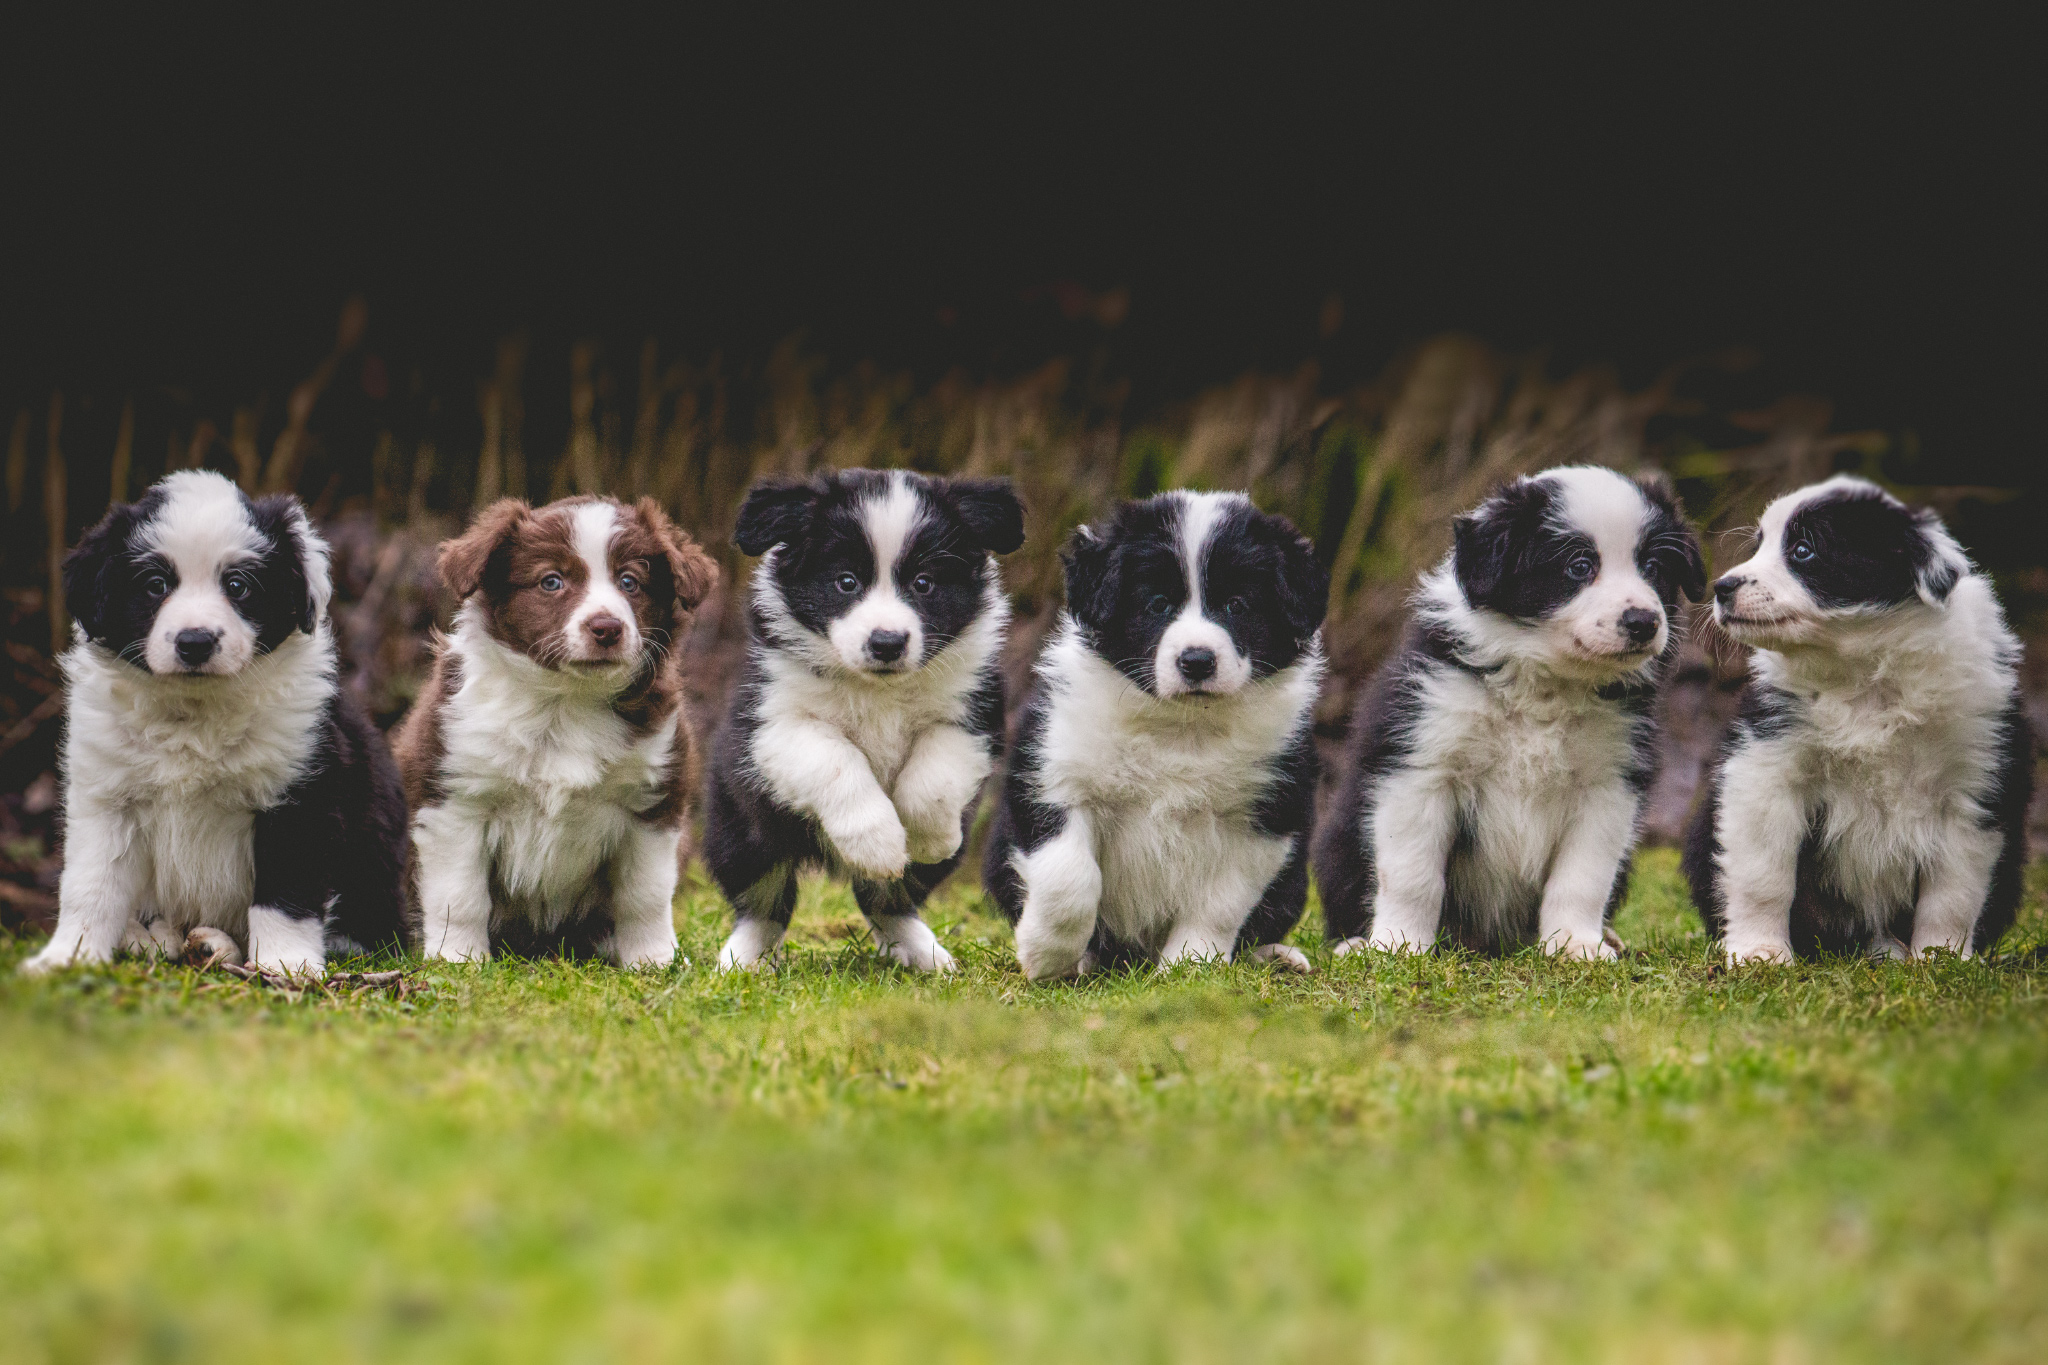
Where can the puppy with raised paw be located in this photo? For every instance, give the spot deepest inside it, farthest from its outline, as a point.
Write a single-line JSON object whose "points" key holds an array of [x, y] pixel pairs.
{"points": [[548, 759], [1498, 761], [869, 710], [1872, 793], [1160, 797]]}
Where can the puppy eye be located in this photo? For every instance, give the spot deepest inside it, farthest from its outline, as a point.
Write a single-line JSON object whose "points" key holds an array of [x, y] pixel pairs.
{"points": [[849, 582], [628, 583], [1801, 552], [156, 585], [1581, 568], [551, 582], [923, 584], [1160, 604], [235, 586], [1236, 606]]}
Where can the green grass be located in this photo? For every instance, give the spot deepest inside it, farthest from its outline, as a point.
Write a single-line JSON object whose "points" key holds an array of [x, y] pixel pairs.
{"points": [[1437, 1159]]}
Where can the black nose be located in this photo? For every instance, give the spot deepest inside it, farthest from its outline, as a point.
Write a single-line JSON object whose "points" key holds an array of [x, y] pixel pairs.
{"points": [[887, 646], [1198, 665], [1726, 588], [195, 647], [1640, 625]]}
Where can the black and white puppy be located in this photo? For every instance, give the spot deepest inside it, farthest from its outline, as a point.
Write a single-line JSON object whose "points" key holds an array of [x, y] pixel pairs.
{"points": [[1499, 760], [869, 710], [1872, 793], [219, 789], [1161, 795]]}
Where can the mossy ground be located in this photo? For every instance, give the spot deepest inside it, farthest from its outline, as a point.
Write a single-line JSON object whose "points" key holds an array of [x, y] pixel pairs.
{"points": [[1430, 1159]]}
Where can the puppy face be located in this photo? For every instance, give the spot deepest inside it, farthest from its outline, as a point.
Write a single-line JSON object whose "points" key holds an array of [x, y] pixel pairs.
{"points": [[1583, 566], [1195, 594], [584, 585], [198, 579], [875, 572], [1838, 550]]}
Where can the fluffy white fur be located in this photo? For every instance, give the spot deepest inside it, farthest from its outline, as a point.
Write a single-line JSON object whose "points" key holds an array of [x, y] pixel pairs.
{"points": [[543, 783], [1901, 712], [1159, 842]]}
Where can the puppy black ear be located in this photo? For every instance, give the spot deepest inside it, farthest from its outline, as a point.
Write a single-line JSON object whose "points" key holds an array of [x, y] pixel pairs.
{"points": [[283, 518], [1091, 578], [773, 514], [1939, 563], [1304, 586], [1673, 547], [991, 510], [1479, 554], [95, 568]]}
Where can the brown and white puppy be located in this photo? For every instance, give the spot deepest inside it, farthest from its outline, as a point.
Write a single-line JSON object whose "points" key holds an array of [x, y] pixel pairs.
{"points": [[548, 760]]}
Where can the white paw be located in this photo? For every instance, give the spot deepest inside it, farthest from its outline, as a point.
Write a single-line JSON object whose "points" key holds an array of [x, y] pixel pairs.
{"points": [[750, 947], [932, 842], [921, 957], [1580, 948], [1758, 951], [1283, 957], [210, 947], [1885, 948], [651, 952], [1043, 963], [1354, 944], [55, 956], [1388, 940], [872, 841]]}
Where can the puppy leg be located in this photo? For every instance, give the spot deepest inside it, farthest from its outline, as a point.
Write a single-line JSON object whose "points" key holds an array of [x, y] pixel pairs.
{"points": [[1762, 821], [454, 883], [1411, 823], [1207, 932], [810, 767], [289, 941], [105, 874], [644, 873], [941, 777], [1062, 893], [1953, 888], [762, 918], [206, 946], [1571, 921]]}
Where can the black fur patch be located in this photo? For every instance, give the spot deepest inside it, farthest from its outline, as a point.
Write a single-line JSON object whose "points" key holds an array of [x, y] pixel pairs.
{"points": [[1862, 549]]}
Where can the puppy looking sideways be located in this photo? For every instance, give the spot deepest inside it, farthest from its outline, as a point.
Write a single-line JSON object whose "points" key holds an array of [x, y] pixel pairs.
{"points": [[220, 790], [869, 710], [1872, 794], [548, 760], [1498, 762], [1159, 802]]}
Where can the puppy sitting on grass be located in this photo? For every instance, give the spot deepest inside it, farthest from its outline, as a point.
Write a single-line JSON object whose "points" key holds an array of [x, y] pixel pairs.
{"points": [[870, 708], [548, 760]]}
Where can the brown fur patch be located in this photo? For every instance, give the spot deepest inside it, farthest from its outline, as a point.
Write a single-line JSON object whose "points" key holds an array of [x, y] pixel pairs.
{"points": [[418, 744]]}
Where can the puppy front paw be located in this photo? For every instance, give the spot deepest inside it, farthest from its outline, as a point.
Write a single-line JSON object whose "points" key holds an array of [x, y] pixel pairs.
{"points": [[58, 954], [1282, 957], [1579, 947], [1758, 950], [932, 841], [921, 957], [871, 840], [209, 947]]}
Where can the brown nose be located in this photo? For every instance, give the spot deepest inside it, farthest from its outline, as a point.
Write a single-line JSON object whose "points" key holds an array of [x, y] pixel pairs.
{"points": [[605, 631]]}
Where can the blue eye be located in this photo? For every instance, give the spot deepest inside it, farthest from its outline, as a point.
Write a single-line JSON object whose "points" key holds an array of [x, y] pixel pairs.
{"points": [[1581, 568], [628, 583], [551, 582], [1801, 552]]}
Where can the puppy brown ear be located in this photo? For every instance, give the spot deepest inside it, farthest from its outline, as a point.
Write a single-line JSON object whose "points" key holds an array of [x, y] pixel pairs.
{"points": [[692, 572], [467, 561]]}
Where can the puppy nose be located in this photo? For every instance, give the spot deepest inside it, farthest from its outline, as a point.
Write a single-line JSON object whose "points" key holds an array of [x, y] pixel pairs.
{"points": [[195, 647], [1726, 588], [1198, 665], [1640, 625], [605, 631], [887, 646]]}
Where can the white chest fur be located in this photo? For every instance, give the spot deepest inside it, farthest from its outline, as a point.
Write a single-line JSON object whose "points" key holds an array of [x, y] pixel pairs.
{"points": [[554, 778], [1170, 786], [180, 766]]}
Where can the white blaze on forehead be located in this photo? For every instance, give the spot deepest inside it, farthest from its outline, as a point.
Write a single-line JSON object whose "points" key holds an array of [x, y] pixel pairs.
{"points": [[1201, 514], [1610, 511], [1605, 508], [201, 529], [890, 519], [591, 528]]}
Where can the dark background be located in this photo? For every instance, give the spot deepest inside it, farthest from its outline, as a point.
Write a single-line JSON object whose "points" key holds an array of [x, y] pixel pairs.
{"points": [[1853, 196]]}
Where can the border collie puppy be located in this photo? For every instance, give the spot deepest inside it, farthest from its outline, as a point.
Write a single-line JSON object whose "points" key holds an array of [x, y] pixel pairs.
{"points": [[1499, 760], [1872, 794], [1159, 802], [220, 789], [548, 760], [870, 707]]}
